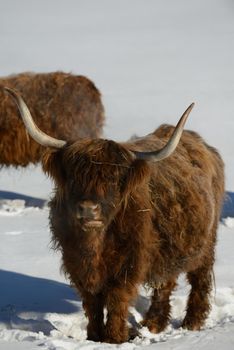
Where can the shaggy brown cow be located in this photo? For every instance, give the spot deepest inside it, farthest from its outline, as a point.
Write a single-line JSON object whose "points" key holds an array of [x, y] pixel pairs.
{"points": [[64, 105], [125, 214]]}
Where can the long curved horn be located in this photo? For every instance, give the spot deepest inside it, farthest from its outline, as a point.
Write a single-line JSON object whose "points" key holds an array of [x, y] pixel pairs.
{"points": [[171, 145], [37, 134]]}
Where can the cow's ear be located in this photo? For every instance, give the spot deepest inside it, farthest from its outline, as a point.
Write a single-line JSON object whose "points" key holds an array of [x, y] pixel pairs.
{"points": [[137, 175], [52, 164]]}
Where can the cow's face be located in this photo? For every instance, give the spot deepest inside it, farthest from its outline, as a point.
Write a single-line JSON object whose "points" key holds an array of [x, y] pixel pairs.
{"points": [[93, 180]]}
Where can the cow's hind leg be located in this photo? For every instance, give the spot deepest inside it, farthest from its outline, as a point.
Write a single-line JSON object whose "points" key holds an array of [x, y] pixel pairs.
{"points": [[158, 315], [198, 305]]}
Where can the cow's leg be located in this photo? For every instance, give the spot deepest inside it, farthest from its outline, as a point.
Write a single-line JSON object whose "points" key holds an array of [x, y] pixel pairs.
{"points": [[93, 306], [117, 303], [198, 305], [158, 315]]}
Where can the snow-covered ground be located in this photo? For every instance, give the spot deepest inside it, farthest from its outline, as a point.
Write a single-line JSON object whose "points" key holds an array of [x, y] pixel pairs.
{"points": [[150, 59]]}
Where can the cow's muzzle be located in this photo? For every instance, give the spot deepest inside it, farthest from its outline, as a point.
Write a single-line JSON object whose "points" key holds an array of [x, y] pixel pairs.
{"points": [[89, 213]]}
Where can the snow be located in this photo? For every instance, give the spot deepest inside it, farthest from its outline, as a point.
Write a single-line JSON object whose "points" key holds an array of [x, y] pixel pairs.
{"points": [[150, 59], [229, 222]]}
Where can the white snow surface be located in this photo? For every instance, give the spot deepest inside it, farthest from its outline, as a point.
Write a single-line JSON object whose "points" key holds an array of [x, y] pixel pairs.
{"points": [[150, 59]]}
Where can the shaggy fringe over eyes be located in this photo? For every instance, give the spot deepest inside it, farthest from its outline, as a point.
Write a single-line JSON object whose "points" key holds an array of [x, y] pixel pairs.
{"points": [[83, 167]]}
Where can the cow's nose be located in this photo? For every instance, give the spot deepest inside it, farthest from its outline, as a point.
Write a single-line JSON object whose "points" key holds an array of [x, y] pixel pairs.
{"points": [[88, 210]]}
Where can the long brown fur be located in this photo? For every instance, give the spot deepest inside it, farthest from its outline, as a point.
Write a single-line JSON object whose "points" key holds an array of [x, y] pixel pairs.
{"points": [[63, 105], [159, 220]]}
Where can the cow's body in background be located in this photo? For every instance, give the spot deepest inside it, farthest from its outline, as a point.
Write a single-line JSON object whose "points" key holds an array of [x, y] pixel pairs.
{"points": [[63, 105]]}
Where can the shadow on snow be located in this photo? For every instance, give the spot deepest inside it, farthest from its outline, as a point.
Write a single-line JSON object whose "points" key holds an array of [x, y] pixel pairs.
{"points": [[25, 299], [29, 201], [22, 293], [228, 205]]}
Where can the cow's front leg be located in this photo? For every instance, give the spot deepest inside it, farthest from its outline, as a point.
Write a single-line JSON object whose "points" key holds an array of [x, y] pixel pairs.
{"points": [[117, 303], [93, 306]]}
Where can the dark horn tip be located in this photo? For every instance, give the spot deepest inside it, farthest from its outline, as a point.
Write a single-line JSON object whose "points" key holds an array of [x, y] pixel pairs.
{"points": [[188, 110], [12, 92], [9, 90], [192, 105], [6, 88]]}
